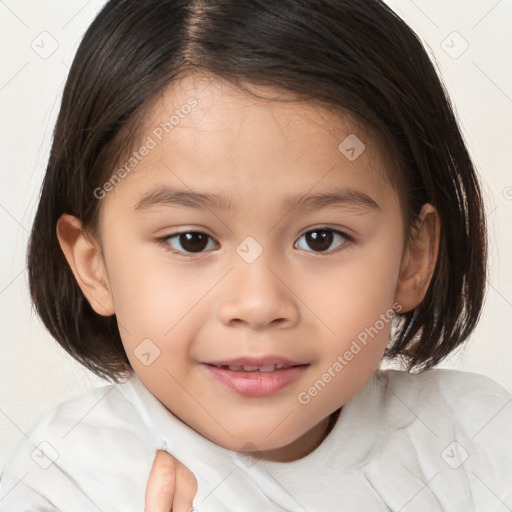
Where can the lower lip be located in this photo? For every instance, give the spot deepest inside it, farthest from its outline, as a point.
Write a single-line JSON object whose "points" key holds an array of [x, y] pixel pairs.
{"points": [[256, 383]]}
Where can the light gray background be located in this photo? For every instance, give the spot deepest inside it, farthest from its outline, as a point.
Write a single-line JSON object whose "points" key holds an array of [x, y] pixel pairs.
{"points": [[38, 41]]}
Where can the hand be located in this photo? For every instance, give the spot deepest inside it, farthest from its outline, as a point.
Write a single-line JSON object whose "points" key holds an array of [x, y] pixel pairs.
{"points": [[171, 485]]}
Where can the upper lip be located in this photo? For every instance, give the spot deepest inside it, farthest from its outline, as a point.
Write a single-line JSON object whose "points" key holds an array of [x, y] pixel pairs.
{"points": [[261, 361]]}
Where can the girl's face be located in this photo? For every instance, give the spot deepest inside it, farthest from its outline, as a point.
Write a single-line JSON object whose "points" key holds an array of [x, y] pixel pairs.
{"points": [[291, 252]]}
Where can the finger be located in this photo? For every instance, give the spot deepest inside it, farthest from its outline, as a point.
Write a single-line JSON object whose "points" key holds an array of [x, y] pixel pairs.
{"points": [[186, 489], [161, 483]]}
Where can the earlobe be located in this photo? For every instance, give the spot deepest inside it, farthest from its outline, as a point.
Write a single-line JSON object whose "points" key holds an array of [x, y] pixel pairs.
{"points": [[85, 259], [419, 260]]}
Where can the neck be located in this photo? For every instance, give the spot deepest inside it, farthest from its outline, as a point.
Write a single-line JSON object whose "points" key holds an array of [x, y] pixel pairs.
{"points": [[302, 446]]}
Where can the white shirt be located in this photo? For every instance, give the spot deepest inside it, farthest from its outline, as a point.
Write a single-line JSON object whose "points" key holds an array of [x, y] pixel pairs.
{"points": [[437, 441]]}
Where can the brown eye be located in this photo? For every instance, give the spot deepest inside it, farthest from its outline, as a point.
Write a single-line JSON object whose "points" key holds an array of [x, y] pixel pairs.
{"points": [[189, 242], [193, 242], [320, 240]]}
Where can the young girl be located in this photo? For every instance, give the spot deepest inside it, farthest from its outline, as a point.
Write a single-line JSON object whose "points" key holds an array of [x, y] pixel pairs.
{"points": [[247, 206]]}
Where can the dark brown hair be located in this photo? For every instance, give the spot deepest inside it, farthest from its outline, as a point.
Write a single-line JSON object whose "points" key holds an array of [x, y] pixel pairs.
{"points": [[358, 56]]}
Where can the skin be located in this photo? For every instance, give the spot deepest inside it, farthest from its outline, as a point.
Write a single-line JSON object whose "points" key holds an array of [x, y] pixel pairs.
{"points": [[293, 300], [171, 486]]}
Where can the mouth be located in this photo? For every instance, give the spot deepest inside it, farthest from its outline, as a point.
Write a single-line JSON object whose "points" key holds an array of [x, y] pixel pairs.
{"points": [[256, 377], [252, 369]]}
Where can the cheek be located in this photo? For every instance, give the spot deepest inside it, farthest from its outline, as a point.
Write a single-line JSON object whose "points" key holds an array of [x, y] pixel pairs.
{"points": [[355, 305], [351, 296], [151, 296]]}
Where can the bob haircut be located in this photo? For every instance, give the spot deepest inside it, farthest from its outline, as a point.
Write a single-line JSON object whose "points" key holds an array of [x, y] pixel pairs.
{"points": [[356, 56]]}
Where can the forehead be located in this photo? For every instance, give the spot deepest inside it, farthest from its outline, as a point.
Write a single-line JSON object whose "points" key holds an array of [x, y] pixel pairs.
{"points": [[220, 106], [207, 134]]}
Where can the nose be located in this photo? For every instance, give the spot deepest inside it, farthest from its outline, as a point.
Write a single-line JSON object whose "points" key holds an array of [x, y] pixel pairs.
{"points": [[258, 297]]}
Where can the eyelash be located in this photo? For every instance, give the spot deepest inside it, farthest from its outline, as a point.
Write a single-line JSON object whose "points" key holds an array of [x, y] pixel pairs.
{"points": [[164, 241]]}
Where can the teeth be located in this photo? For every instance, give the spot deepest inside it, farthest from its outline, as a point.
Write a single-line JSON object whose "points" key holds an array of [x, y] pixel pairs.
{"points": [[250, 368], [265, 369], [270, 368]]}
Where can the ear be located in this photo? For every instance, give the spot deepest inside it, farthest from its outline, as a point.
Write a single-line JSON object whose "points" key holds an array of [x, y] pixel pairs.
{"points": [[419, 260], [85, 258]]}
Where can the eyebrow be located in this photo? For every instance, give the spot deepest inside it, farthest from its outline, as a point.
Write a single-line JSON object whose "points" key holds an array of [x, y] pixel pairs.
{"points": [[163, 195]]}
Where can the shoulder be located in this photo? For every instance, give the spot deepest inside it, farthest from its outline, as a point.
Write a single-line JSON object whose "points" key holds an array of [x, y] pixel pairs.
{"points": [[443, 408], [444, 388], [77, 444], [455, 379], [445, 429], [101, 411]]}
